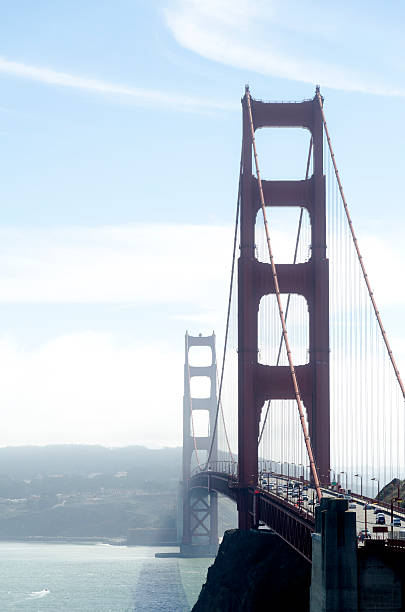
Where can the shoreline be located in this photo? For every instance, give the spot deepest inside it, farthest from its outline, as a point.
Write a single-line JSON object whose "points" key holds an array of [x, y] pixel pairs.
{"points": [[86, 540], [68, 540]]}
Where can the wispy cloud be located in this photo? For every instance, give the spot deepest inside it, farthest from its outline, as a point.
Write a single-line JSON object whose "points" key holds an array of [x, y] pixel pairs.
{"points": [[279, 39], [174, 101]]}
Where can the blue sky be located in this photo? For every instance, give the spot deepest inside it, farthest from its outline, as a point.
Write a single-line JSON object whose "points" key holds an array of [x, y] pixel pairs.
{"points": [[120, 127]]}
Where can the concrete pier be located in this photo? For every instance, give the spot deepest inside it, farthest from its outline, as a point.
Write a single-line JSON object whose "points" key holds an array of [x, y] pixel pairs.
{"points": [[334, 558], [346, 578]]}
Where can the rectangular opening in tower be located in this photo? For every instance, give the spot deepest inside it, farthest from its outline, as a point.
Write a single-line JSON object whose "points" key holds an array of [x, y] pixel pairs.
{"points": [[282, 444], [200, 387], [290, 235], [200, 356], [283, 153], [200, 423], [270, 330], [198, 459]]}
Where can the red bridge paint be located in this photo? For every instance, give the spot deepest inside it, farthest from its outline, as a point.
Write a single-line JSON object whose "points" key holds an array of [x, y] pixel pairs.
{"points": [[258, 383]]}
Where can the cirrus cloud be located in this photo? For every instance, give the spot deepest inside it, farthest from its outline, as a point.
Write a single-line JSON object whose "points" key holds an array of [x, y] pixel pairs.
{"points": [[296, 41], [138, 95]]}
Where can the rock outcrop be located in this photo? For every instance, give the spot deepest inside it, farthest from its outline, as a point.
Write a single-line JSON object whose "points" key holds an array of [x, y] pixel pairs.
{"points": [[255, 571]]}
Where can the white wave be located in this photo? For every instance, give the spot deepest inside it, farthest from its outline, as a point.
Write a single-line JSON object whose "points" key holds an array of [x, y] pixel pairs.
{"points": [[39, 594]]}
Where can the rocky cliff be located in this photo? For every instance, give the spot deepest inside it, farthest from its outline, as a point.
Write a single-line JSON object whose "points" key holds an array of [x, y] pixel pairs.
{"points": [[255, 571]]}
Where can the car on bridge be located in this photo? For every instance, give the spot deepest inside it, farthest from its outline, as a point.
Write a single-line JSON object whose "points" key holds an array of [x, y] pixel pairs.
{"points": [[380, 519], [396, 522]]}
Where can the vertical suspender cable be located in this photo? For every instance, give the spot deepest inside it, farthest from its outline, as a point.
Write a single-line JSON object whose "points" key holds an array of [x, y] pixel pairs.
{"points": [[281, 313], [356, 246]]}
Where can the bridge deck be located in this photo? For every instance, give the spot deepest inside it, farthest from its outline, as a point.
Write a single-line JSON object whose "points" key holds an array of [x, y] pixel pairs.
{"points": [[292, 524], [292, 521]]}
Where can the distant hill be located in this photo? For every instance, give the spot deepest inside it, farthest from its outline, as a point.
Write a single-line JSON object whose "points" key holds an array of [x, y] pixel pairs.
{"points": [[90, 491], [27, 462], [390, 492], [81, 491]]}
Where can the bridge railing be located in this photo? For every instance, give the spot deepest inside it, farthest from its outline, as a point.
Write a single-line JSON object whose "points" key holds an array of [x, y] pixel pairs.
{"points": [[223, 467]]}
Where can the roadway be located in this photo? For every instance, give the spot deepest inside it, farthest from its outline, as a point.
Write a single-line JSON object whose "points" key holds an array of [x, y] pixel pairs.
{"points": [[270, 483]]}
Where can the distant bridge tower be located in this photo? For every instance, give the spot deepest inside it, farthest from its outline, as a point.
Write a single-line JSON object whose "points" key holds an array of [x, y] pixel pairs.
{"points": [[200, 505], [257, 382]]}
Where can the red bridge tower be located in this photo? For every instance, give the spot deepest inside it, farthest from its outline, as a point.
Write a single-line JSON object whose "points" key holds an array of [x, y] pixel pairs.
{"points": [[257, 382]]}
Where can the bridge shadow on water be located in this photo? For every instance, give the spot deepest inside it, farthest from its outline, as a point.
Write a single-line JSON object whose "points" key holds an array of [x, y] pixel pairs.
{"points": [[160, 589]]}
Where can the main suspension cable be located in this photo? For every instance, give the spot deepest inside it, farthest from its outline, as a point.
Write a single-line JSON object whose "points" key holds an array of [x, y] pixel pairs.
{"points": [[356, 246], [228, 315], [281, 313], [289, 295]]}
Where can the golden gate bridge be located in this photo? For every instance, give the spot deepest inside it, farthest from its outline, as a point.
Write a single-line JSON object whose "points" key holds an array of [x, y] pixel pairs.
{"points": [[308, 389]]}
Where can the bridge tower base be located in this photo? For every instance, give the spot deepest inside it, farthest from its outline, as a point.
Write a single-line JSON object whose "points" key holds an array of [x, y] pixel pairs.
{"points": [[334, 558]]}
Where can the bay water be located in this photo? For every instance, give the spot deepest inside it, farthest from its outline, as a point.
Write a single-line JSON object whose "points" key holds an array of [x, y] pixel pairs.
{"points": [[65, 577]]}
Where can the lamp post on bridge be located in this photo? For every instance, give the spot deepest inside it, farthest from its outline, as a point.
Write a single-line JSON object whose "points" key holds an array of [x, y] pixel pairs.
{"points": [[282, 465], [361, 483], [394, 499], [308, 467], [345, 473], [378, 487], [302, 476], [278, 462]]}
